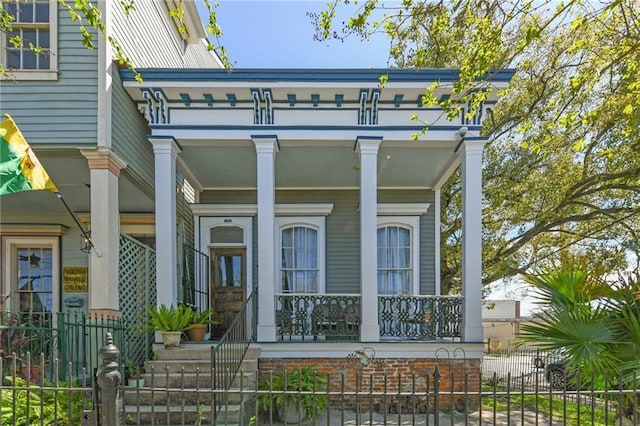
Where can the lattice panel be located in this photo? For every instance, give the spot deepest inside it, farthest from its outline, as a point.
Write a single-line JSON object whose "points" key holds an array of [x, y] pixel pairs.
{"points": [[137, 290]]}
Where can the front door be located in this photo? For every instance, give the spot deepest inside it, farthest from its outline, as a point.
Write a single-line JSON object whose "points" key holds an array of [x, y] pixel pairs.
{"points": [[228, 266]]}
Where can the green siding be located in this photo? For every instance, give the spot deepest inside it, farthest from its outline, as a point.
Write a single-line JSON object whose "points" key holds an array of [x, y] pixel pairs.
{"points": [[343, 230], [129, 132], [62, 111]]}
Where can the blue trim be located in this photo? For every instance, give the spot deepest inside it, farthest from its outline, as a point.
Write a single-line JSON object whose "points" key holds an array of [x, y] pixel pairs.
{"points": [[291, 99], [371, 75], [397, 100], [454, 128], [231, 97], [315, 99], [208, 98], [339, 100], [186, 99]]}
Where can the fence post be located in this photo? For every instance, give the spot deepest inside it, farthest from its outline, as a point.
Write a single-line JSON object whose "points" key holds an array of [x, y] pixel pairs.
{"points": [[108, 380]]}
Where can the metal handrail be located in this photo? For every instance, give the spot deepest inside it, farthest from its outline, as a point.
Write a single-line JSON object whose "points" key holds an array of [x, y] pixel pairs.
{"points": [[229, 352]]}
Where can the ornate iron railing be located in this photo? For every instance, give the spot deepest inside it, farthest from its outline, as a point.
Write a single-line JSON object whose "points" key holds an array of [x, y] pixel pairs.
{"points": [[420, 317], [318, 316]]}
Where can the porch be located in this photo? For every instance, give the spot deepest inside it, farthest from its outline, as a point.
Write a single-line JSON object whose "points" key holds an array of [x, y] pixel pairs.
{"points": [[337, 317]]}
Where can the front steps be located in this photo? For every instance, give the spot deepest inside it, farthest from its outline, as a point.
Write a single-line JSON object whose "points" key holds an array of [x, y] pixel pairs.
{"points": [[178, 390]]}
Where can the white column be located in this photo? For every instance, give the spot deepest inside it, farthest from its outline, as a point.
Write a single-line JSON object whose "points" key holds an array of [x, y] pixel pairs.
{"points": [[104, 168], [471, 161], [368, 150], [166, 151], [266, 148]]}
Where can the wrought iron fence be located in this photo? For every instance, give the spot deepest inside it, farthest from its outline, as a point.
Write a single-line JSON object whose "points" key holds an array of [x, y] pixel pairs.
{"points": [[71, 338], [420, 317], [317, 316], [195, 278]]}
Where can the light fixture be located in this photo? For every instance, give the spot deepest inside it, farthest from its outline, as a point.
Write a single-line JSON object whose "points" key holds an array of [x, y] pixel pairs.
{"points": [[85, 243]]}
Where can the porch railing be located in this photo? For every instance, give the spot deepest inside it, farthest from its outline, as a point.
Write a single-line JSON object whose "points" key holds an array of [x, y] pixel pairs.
{"points": [[195, 279], [317, 316], [229, 352], [420, 317], [337, 317]]}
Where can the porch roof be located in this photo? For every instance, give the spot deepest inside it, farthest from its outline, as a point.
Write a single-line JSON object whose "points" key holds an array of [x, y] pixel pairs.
{"points": [[316, 115]]}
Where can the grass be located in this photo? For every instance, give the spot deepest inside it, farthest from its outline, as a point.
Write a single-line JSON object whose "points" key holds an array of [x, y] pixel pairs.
{"points": [[558, 408]]}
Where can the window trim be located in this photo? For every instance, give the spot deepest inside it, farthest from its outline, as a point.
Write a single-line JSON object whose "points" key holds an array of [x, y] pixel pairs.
{"points": [[413, 224], [50, 74], [9, 246], [315, 222]]}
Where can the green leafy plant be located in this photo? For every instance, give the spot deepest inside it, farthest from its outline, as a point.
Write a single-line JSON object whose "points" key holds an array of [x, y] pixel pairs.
{"points": [[172, 318], [31, 404], [299, 387]]}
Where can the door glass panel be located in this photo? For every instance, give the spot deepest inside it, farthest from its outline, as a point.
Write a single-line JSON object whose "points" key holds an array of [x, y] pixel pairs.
{"points": [[229, 271], [35, 279]]}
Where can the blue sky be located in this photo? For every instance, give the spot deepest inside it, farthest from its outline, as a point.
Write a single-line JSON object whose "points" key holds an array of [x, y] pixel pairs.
{"points": [[279, 34]]}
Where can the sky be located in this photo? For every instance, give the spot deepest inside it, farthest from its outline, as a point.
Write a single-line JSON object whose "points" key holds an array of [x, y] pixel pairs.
{"points": [[279, 34]]}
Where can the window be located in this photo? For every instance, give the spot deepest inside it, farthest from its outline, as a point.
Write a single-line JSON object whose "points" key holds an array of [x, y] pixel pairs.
{"points": [[398, 255], [32, 274], [35, 23], [301, 255]]}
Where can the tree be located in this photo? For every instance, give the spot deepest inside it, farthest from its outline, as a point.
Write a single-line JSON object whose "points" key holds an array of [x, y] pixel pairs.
{"points": [[563, 169]]}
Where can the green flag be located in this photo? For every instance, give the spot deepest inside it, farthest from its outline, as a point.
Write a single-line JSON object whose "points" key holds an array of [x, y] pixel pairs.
{"points": [[20, 169]]}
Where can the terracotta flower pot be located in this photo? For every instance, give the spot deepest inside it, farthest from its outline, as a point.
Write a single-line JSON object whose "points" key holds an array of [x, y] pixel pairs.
{"points": [[197, 333]]}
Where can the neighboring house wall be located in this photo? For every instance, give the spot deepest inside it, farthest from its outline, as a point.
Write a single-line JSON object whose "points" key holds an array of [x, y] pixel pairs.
{"points": [[501, 323], [129, 132], [61, 111], [151, 38], [343, 230]]}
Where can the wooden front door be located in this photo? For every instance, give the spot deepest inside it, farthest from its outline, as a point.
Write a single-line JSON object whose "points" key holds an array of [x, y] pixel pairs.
{"points": [[228, 271]]}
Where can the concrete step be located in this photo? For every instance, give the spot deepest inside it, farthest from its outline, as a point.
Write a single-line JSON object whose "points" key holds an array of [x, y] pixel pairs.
{"points": [[187, 396], [193, 365], [194, 351], [183, 415]]}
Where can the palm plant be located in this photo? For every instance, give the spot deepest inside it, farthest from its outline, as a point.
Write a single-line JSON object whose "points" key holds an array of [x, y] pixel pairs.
{"points": [[596, 323]]}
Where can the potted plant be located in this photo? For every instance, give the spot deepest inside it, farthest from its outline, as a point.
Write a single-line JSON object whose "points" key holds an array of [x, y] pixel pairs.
{"points": [[291, 406], [170, 321], [134, 374], [199, 323]]}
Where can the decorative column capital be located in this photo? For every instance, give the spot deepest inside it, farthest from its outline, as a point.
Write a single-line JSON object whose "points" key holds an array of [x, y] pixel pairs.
{"points": [[266, 144], [165, 145], [104, 159], [368, 145], [472, 146]]}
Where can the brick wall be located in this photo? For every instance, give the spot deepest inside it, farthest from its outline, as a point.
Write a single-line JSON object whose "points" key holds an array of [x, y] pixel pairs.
{"points": [[458, 380]]}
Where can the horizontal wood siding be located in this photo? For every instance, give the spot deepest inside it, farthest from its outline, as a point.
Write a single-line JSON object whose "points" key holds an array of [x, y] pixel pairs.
{"points": [[150, 38], [62, 111], [343, 230], [129, 132], [342, 238]]}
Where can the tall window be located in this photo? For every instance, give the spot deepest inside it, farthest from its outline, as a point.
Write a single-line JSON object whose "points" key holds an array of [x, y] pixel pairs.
{"points": [[395, 269], [35, 26], [299, 269]]}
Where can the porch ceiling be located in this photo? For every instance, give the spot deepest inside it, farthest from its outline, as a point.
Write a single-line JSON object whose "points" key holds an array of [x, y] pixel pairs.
{"points": [[313, 166]]}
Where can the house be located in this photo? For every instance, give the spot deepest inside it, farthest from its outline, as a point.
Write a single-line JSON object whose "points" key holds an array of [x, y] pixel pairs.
{"points": [[311, 199], [71, 107], [299, 191], [501, 322]]}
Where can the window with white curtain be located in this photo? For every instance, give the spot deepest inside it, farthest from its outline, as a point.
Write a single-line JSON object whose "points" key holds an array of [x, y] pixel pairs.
{"points": [[397, 255], [301, 255]]}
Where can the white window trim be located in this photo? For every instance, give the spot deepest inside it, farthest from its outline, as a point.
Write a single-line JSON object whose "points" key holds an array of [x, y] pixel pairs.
{"points": [[403, 209], [252, 209], [9, 245], [316, 222], [32, 75], [413, 223]]}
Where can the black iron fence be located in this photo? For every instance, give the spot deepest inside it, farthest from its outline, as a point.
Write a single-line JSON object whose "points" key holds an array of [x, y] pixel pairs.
{"points": [[361, 395]]}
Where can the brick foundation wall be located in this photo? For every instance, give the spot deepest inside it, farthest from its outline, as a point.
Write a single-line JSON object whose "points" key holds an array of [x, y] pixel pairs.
{"points": [[411, 376]]}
